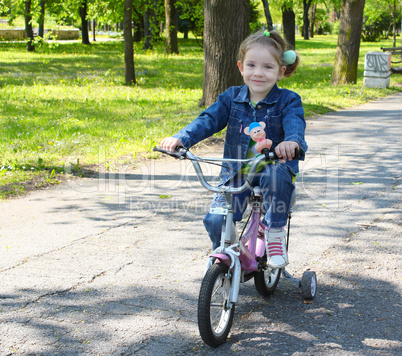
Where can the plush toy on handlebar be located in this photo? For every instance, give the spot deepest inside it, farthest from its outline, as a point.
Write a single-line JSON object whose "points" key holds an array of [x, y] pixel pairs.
{"points": [[257, 133]]}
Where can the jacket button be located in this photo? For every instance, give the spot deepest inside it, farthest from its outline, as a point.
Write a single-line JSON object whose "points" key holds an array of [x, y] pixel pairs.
{"points": [[259, 107]]}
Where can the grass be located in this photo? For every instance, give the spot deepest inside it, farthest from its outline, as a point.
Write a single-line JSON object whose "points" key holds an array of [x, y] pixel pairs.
{"points": [[65, 108]]}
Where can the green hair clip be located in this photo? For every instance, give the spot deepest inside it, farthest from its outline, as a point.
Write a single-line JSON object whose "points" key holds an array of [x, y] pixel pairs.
{"points": [[266, 33]]}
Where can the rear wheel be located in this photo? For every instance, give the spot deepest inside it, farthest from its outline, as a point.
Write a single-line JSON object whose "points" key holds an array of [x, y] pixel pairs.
{"points": [[215, 314], [266, 281], [309, 285]]}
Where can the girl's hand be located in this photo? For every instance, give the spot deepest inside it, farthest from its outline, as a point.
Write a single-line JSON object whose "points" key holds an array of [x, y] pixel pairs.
{"points": [[286, 150], [170, 144]]}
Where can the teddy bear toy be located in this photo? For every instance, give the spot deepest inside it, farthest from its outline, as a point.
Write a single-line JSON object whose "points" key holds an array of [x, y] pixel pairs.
{"points": [[257, 133]]}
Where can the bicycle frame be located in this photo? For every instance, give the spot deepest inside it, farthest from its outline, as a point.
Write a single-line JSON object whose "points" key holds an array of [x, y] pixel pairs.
{"points": [[239, 254]]}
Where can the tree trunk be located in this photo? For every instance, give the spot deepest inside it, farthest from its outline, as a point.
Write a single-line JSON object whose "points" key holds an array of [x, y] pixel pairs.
{"points": [[312, 22], [41, 19], [155, 19], [147, 27], [84, 22], [268, 16], [394, 18], [93, 30], [289, 26], [172, 45], [347, 50], [221, 44], [28, 27], [138, 26], [128, 43], [306, 20]]}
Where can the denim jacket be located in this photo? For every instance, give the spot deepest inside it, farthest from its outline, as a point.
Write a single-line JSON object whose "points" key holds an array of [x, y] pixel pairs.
{"points": [[281, 110]]}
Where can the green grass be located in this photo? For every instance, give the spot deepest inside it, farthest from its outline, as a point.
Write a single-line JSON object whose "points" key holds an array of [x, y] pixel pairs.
{"points": [[64, 107]]}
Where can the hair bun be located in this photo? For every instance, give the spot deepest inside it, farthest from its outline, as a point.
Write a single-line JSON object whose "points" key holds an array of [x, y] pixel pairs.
{"points": [[289, 57]]}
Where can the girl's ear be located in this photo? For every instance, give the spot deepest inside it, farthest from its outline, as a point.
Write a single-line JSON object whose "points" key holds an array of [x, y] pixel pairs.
{"points": [[240, 66], [281, 72]]}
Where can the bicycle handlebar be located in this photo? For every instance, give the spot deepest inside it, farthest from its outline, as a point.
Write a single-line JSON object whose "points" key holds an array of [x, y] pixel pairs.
{"points": [[183, 153]]}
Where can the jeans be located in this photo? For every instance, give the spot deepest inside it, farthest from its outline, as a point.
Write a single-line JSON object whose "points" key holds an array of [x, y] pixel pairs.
{"points": [[275, 181]]}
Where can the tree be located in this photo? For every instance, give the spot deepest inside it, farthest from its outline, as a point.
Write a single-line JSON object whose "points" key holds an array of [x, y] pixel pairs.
{"points": [[289, 24], [172, 45], [191, 17], [147, 26], [151, 19], [226, 25], [267, 13], [312, 22], [379, 16], [138, 25], [41, 19], [306, 20], [28, 26], [128, 43], [347, 50], [83, 11]]}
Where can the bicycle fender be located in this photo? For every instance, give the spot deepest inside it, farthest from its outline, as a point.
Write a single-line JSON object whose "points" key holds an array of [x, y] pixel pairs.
{"points": [[223, 258]]}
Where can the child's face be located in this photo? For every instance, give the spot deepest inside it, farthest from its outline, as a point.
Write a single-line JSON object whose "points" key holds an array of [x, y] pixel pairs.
{"points": [[260, 71]]}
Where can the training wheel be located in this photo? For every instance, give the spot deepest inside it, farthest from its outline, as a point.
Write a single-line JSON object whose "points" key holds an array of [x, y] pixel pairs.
{"points": [[309, 285]]}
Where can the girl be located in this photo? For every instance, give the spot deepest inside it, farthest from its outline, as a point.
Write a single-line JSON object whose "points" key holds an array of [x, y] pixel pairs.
{"points": [[263, 61]]}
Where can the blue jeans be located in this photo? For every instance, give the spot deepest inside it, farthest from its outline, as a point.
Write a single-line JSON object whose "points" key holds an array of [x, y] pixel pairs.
{"points": [[276, 184]]}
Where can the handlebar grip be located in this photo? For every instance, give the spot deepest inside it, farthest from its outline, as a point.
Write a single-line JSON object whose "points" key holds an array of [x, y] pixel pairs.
{"points": [[271, 155], [179, 152], [298, 154]]}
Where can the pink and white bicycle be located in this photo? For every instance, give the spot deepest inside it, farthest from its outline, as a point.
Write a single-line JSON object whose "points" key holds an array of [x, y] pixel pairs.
{"points": [[240, 257]]}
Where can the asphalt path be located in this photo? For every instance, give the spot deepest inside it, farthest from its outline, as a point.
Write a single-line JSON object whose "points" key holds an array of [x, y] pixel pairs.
{"points": [[112, 265]]}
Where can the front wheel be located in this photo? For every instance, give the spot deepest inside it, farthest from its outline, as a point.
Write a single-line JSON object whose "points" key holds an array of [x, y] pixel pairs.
{"points": [[215, 313], [266, 281]]}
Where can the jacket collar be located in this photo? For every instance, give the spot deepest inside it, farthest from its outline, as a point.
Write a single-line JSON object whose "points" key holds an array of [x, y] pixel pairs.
{"points": [[273, 96]]}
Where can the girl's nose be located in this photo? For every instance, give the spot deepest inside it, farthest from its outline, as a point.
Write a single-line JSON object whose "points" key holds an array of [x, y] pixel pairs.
{"points": [[258, 71]]}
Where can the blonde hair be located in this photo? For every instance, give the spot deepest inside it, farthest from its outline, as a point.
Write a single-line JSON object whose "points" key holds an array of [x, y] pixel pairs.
{"points": [[274, 40]]}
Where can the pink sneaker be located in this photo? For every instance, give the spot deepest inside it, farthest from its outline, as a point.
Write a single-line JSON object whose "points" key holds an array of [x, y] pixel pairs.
{"points": [[277, 256]]}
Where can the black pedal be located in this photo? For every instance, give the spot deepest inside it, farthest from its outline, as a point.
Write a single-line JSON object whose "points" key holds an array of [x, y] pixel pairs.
{"points": [[262, 263]]}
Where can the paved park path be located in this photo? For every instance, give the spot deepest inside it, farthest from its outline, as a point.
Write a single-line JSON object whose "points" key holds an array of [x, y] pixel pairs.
{"points": [[112, 265]]}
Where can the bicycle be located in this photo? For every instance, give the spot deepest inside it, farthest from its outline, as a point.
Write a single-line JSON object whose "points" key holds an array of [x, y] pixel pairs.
{"points": [[239, 257]]}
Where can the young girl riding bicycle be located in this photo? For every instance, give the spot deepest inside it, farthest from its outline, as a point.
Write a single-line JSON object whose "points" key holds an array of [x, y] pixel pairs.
{"points": [[246, 111]]}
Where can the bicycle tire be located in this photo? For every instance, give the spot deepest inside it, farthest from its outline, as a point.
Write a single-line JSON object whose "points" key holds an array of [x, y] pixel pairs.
{"points": [[214, 316], [265, 282], [309, 285]]}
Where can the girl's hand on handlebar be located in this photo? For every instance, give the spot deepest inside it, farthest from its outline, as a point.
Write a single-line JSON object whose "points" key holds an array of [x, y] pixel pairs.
{"points": [[170, 144], [286, 150]]}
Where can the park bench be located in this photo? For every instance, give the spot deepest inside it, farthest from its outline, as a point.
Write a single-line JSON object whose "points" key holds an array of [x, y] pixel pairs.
{"points": [[394, 50]]}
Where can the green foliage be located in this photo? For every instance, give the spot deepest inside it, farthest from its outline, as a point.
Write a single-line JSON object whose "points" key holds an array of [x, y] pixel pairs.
{"points": [[378, 18], [335, 27], [321, 22], [374, 30], [255, 24], [191, 16]]}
